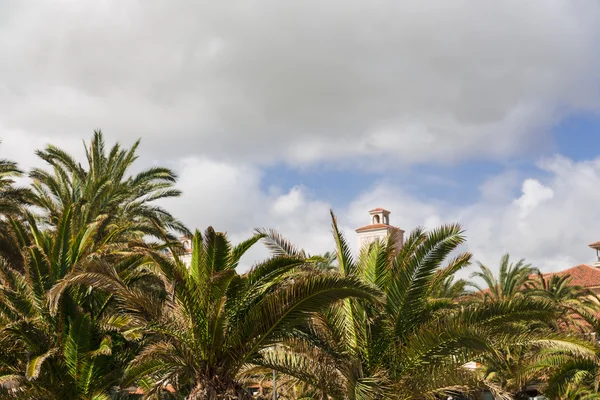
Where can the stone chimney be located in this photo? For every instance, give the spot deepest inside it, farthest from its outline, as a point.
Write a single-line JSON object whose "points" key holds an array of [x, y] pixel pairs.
{"points": [[379, 229]]}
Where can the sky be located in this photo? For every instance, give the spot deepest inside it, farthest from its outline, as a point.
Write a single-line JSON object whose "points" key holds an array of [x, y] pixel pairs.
{"points": [[272, 113]]}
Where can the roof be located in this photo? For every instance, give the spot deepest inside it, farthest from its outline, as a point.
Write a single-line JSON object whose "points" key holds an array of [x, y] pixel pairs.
{"points": [[581, 275], [595, 245], [379, 209], [373, 227]]}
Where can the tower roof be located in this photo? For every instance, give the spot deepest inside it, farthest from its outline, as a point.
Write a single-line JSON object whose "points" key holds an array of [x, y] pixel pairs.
{"points": [[374, 227], [379, 210], [380, 220]]}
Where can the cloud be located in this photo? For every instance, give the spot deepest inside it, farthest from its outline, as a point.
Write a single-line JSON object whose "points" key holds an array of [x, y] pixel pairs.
{"points": [[383, 82], [231, 198], [549, 222], [534, 194], [218, 92]]}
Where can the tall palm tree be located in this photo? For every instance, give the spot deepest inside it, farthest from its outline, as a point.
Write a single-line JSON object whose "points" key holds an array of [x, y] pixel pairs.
{"points": [[12, 198], [550, 363], [66, 353], [357, 350], [215, 321], [579, 307], [414, 346], [13, 202], [510, 283], [548, 350], [569, 375], [93, 215], [103, 192], [451, 289]]}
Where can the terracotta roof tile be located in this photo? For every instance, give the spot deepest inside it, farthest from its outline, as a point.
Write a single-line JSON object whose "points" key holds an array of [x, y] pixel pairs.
{"points": [[581, 275], [376, 226], [595, 245]]}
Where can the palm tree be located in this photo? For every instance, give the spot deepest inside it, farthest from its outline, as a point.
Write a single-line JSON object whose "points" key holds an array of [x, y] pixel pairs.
{"points": [[579, 307], [12, 198], [103, 192], [99, 215], [547, 351], [451, 289], [13, 202], [512, 280], [569, 375], [416, 344], [215, 321], [358, 350], [326, 262], [66, 353]]}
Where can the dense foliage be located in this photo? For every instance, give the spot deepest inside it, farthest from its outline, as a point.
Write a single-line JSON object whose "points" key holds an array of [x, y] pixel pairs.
{"points": [[99, 300]]}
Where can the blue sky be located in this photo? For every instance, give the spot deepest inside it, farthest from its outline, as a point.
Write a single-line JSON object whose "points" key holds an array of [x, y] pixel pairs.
{"points": [[485, 113], [576, 137]]}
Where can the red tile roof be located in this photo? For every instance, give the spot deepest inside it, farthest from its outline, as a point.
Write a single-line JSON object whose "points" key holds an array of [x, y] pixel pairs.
{"points": [[378, 209], [376, 226], [581, 275], [595, 245]]}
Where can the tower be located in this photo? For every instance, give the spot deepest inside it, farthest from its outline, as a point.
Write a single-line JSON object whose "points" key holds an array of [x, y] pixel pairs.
{"points": [[596, 246], [186, 243], [379, 229]]}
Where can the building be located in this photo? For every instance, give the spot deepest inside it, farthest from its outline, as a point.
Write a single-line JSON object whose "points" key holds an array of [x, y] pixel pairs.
{"points": [[596, 246], [584, 275], [379, 228], [185, 255]]}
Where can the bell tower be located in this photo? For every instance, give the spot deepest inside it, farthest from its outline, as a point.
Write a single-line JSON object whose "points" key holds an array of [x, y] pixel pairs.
{"points": [[380, 216], [379, 229]]}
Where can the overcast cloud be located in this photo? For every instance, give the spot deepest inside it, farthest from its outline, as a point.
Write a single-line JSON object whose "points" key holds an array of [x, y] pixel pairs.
{"points": [[219, 90], [303, 81]]}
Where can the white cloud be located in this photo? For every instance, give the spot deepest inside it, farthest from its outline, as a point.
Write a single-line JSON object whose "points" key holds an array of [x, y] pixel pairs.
{"points": [[549, 223], [534, 194], [289, 202], [230, 197], [303, 82], [218, 91], [562, 225]]}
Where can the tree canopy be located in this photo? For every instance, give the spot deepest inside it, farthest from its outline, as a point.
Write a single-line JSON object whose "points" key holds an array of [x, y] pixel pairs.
{"points": [[97, 302]]}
